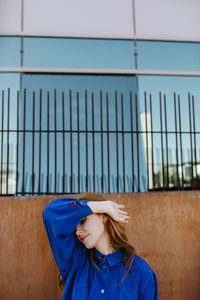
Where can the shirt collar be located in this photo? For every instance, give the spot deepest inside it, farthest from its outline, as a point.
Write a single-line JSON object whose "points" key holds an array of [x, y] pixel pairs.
{"points": [[112, 258]]}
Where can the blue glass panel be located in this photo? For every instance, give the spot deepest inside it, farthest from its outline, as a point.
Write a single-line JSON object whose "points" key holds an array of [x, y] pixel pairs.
{"points": [[107, 84], [187, 94], [181, 56], [78, 53], [9, 52], [11, 81]]}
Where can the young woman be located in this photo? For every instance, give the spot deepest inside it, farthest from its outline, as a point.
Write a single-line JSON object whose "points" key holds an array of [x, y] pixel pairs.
{"points": [[92, 251]]}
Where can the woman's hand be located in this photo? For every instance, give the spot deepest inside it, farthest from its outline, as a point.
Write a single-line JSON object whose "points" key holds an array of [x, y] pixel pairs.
{"points": [[117, 212], [110, 208]]}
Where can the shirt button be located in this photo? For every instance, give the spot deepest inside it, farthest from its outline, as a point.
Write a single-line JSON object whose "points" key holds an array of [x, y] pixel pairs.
{"points": [[102, 291], [104, 267]]}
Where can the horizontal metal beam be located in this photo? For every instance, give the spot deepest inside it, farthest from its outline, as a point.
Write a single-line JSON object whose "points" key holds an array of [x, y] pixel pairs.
{"points": [[133, 37], [98, 71]]}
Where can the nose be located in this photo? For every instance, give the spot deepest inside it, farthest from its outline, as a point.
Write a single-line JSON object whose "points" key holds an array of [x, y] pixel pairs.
{"points": [[78, 230]]}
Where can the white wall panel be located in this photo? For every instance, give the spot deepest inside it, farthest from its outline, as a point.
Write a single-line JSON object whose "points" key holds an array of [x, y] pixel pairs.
{"points": [[168, 18], [10, 16], [79, 17]]}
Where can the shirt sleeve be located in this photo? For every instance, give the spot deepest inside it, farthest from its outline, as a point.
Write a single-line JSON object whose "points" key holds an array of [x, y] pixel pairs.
{"points": [[61, 218], [151, 290]]}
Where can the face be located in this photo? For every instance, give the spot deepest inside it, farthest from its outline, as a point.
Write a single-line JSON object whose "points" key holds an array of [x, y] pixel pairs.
{"points": [[90, 230]]}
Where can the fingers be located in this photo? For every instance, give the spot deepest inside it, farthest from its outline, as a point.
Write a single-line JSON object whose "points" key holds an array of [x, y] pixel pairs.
{"points": [[123, 215], [124, 219], [122, 212], [117, 212], [121, 205]]}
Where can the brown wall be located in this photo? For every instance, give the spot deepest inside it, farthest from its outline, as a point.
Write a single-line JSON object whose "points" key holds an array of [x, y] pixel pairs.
{"points": [[164, 229]]}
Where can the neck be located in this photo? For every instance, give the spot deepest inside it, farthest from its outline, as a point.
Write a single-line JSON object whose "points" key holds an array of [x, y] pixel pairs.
{"points": [[104, 246]]}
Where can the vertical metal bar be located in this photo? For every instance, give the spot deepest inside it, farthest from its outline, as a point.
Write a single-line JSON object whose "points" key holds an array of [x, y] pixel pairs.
{"points": [[176, 141], [21, 42], [24, 140], [147, 153], [40, 137], [132, 141], [166, 139], [8, 128], [86, 145], [17, 155], [33, 145], [108, 144], [123, 149], [152, 142], [78, 133], [191, 140], [2, 128], [137, 135], [48, 96], [180, 134], [117, 154], [161, 135], [55, 133], [101, 126], [71, 144], [93, 142], [63, 119], [194, 134]]}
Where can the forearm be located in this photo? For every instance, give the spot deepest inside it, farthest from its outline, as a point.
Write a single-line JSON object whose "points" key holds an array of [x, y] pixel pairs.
{"points": [[65, 214], [99, 207]]}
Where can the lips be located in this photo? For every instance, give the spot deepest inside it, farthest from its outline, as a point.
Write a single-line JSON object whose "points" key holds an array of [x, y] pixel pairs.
{"points": [[83, 238]]}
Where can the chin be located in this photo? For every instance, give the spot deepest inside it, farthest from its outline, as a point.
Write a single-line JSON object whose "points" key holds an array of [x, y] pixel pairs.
{"points": [[90, 246]]}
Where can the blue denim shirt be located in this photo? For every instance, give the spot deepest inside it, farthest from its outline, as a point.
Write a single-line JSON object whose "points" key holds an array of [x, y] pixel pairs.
{"points": [[83, 280]]}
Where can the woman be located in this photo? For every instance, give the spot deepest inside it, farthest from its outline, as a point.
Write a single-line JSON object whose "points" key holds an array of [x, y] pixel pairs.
{"points": [[92, 252]]}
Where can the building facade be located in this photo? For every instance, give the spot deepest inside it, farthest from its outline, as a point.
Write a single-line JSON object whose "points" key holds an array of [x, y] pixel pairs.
{"points": [[99, 96]]}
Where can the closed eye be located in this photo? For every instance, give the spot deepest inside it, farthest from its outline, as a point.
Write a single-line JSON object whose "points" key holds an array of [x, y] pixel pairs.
{"points": [[83, 220]]}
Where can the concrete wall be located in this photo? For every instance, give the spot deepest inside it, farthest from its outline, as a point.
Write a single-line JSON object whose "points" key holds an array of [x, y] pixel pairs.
{"points": [[116, 18], [164, 229]]}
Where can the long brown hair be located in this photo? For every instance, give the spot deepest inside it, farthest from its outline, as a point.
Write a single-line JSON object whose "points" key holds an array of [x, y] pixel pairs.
{"points": [[117, 235]]}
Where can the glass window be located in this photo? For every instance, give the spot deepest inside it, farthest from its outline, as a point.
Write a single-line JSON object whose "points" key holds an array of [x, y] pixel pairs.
{"points": [[175, 105], [8, 121], [9, 52], [78, 53], [153, 55], [90, 152]]}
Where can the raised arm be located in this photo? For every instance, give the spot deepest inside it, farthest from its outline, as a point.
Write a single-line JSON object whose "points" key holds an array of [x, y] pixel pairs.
{"points": [[60, 219]]}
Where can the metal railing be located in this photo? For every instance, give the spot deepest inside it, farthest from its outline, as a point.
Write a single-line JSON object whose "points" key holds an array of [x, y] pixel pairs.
{"points": [[71, 142]]}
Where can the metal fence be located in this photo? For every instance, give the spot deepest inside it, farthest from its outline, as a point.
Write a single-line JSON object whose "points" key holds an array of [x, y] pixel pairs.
{"points": [[70, 142]]}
